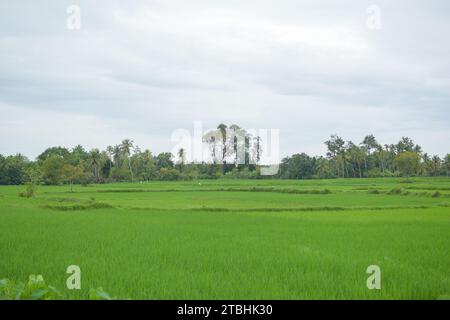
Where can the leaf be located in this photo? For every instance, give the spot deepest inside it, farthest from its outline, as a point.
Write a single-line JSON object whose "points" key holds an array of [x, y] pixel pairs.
{"points": [[38, 294], [98, 294]]}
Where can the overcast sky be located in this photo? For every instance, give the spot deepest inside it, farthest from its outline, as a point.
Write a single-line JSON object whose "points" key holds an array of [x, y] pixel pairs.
{"points": [[141, 71]]}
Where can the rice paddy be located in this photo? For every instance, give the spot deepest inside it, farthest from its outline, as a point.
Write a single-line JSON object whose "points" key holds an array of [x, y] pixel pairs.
{"points": [[234, 239]]}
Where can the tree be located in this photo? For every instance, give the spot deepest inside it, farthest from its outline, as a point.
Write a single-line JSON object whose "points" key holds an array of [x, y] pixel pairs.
{"points": [[257, 149], [322, 168], [71, 173], [447, 164], [237, 137], [336, 151], [13, 169], [146, 166], [110, 152], [370, 143], [407, 163], [94, 161], [78, 155], [117, 156], [54, 151], [211, 138], [407, 144], [181, 158], [33, 178], [164, 160], [223, 132], [51, 169], [357, 156], [299, 166], [436, 165], [126, 146], [168, 174], [382, 157]]}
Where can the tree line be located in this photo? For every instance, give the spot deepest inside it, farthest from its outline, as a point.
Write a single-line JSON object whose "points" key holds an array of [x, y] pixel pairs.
{"points": [[346, 159], [127, 162]]}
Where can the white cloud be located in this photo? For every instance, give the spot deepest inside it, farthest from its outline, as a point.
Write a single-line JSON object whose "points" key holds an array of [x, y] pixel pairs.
{"points": [[142, 71]]}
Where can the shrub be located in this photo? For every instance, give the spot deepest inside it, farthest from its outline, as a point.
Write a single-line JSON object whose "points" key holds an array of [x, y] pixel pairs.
{"points": [[166, 174], [395, 191], [436, 194], [29, 192]]}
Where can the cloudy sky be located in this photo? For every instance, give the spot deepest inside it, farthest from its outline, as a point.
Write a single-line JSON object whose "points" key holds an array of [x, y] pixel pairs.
{"points": [[307, 68]]}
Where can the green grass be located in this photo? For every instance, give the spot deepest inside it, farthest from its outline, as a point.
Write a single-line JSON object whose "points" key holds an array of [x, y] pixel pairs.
{"points": [[230, 239]]}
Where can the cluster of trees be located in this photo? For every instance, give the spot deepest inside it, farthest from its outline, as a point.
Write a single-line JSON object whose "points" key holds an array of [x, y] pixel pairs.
{"points": [[346, 159], [231, 157]]}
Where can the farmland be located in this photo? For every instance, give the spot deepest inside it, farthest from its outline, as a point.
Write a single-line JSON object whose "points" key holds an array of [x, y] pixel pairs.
{"points": [[234, 239]]}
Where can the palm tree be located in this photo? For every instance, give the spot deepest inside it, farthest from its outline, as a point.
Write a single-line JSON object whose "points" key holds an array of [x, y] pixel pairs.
{"points": [[110, 151], [94, 158], [436, 165], [237, 134], [322, 167], [258, 149], [181, 155], [126, 146], [447, 164], [223, 131], [211, 138], [117, 153]]}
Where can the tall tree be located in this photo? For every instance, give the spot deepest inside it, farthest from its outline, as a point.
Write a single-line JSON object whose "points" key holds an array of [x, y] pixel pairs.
{"points": [[126, 146], [94, 161], [181, 158], [407, 163], [258, 149], [336, 151], [447, 164], [223, 132]]}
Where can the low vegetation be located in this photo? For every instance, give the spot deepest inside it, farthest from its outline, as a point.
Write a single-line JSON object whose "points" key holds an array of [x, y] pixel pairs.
{"points": [[231, 239], [36, 289]]}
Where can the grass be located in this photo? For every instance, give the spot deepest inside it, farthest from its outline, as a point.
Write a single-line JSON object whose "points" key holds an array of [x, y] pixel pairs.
{"points": [[234, 239]]}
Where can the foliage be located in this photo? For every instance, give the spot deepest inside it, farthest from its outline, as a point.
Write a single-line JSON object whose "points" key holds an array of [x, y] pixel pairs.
{"points": [[99, 294], [37, 289], [216, 239], [29, 192], [168, 174], [34, 289], [234, 154], [407, 163], [71, 174]]}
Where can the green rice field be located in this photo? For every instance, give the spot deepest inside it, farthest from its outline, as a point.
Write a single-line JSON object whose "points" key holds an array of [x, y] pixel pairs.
{"points": [[234, 239]]}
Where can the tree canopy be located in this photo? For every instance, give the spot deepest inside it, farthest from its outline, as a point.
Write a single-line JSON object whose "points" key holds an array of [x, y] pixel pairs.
{"points": [[234, 153]]}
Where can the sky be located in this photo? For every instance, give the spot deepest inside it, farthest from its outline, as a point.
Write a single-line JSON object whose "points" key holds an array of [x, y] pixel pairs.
{"points": [[145, 69]]}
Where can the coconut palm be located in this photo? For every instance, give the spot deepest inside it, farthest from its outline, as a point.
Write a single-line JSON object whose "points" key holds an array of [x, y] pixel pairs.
{"points": [[94, 160], [126, 146], [223, 132]]}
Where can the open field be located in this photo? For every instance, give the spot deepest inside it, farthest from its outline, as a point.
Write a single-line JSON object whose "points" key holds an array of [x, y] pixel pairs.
{"points": [[234, 239]]}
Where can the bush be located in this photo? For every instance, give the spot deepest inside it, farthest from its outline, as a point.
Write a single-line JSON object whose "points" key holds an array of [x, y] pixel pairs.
{"points": [[29, 192], [377, 173], [436, 194], [395, 191], [166, 174], [120, 174]]}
